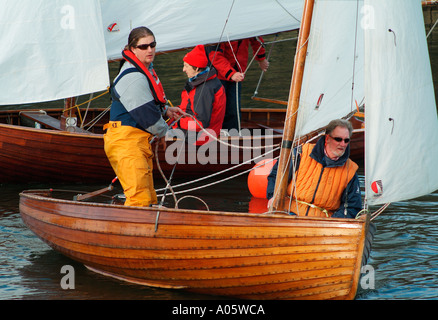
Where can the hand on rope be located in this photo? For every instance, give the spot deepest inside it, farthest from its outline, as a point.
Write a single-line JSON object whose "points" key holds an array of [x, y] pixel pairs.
{"points": [[178, 114], [174, 112], [264, 64], [238, 77]]}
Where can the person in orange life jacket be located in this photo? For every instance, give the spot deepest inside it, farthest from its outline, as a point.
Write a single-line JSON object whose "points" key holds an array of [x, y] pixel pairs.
{"points": [[327, 183], [231, 60], [137, 110], [203, 96]]}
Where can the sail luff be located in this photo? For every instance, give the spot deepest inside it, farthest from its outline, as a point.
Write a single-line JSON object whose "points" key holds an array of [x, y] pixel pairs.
{"points": [[292, 108]]}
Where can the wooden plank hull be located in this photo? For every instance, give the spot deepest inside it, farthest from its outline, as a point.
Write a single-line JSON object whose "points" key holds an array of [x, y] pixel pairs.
{"points": [[240, 255], [39, 155]]}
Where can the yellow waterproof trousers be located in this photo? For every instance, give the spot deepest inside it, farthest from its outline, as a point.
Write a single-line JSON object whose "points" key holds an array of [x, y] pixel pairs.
{"points": [[130, 154]]}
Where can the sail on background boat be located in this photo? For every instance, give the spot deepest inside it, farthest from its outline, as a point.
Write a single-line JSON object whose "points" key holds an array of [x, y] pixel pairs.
{"points": [[181, 24], [51, 50], [60, 50]]}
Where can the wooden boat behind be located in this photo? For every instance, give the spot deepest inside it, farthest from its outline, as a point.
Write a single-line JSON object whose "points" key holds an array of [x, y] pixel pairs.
{"points": [[28, 154], [239, 255]]}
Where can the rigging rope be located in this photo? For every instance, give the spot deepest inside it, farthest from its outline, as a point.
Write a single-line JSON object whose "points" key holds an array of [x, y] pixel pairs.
{"points": [[88, 101], [167, 181]]}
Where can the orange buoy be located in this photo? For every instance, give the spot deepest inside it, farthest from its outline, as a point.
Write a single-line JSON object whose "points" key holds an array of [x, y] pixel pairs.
{"points": [[258, 178]]}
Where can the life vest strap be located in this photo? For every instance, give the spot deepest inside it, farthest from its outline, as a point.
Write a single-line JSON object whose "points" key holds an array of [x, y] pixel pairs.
{"points": [[314, 207]]}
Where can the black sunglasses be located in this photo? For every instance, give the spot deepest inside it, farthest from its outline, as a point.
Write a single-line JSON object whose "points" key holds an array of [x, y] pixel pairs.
{"points": [[146, 45], [338, 139]]}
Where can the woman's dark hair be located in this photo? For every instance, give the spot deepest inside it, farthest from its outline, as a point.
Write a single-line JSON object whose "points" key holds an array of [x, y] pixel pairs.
{"points": [[136, 34]]}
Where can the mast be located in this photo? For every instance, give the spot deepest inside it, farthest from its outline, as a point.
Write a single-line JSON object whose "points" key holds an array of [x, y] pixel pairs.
{"points": [[292, 108], [68, 117]]}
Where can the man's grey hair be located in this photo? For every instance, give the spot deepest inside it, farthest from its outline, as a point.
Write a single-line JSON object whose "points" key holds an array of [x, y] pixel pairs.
{"points": [[339, 123]]}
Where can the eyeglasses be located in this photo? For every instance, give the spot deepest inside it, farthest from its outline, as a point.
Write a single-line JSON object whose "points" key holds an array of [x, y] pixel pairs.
{"points": [[146, 45], [338, 139]]}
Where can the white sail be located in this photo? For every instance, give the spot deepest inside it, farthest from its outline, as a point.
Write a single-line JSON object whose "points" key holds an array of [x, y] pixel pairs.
{"points": [[334, 63], [184, 23], [401, 142], [51, 50]]}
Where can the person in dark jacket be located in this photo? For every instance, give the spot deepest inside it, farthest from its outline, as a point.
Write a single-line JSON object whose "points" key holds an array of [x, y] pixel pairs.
{"points": [[203, 96], [326, 180]]}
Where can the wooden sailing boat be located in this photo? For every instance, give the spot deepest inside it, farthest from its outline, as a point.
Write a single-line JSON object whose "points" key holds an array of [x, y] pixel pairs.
{"points": [[242, 255]]}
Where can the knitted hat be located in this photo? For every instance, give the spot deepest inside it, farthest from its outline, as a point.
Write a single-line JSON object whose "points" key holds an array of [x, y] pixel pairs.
{"points": [[197, 57]]}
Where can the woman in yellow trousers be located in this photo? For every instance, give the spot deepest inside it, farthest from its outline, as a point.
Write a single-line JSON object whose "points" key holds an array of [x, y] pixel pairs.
{"points": [[136, 115], [130, 155]]}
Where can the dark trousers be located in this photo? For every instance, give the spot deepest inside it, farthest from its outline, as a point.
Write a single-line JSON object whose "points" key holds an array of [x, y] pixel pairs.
{"points": [[231, 119]]}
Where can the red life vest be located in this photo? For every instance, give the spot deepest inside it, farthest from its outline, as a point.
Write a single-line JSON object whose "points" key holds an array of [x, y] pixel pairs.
{"points": [[154, 82]]}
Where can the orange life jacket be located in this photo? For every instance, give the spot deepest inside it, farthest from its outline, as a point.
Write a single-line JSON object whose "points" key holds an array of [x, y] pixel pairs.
{"points": [[318, 189]]}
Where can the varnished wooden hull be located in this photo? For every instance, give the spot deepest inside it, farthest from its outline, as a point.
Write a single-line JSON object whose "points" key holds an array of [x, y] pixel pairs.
{"points": [[240, 255], [40, 155]]}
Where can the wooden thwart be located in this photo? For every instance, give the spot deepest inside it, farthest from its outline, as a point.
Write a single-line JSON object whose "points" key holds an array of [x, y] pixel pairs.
{"points": [[48, 121]]}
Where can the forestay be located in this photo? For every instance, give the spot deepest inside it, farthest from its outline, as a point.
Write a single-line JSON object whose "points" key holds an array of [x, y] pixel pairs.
{"points": [[51, 50], [180, 24], [401, 119], [333, 76]]}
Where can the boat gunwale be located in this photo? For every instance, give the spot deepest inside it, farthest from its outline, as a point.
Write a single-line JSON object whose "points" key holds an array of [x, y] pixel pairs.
{"points": [[100, 135], [33, 194], [50, 131]]}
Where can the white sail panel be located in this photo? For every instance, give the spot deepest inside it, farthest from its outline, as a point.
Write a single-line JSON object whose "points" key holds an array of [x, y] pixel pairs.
{"points": [[334, 63], [401, 142], [180, 24], [51, 50]]}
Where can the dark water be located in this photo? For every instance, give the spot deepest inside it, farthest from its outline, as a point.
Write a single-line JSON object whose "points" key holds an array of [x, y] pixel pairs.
{"points": [[404, 258]]}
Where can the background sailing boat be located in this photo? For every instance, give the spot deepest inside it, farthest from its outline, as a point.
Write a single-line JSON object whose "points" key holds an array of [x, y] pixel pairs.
{"points": [[97, 30]]}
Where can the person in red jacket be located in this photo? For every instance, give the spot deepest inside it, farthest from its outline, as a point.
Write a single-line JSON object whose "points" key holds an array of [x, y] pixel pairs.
{"points": [[203, 96], [230, 61]]}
